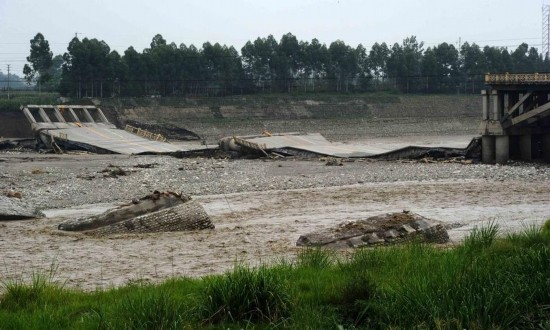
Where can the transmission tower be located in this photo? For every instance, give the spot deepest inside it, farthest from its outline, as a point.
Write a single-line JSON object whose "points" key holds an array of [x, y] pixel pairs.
{"points": [[545, 30]]}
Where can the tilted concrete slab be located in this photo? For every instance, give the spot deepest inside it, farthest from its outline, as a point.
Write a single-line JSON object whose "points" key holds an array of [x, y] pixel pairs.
{"points": [[110, 139], [312, 142], [317, 144], [86, 127]]}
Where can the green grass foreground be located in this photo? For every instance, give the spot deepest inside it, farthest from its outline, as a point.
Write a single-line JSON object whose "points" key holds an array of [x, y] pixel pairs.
{"points": [[486, 282]]}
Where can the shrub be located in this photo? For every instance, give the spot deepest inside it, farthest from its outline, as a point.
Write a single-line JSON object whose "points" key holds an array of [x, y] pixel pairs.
{"points": [[546, 228], [530, 236], [150, 307], [245, 294], [481, 238], [315, 258], [42, 288]]}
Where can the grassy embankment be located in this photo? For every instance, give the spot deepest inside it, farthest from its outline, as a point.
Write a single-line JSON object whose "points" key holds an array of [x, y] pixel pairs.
{"points": [[486, 282]]}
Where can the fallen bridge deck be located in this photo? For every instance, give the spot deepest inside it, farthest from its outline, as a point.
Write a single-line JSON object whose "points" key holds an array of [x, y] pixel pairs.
{"points": [[316, 144], [86, 127]]}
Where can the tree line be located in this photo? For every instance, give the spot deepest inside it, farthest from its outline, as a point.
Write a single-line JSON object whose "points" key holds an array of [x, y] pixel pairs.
{"points": [[90, 68]]}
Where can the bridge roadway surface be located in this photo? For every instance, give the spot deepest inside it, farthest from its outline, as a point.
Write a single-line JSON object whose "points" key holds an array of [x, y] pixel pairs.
{"points": [[122, 142], [112, 139], [316, 143]]}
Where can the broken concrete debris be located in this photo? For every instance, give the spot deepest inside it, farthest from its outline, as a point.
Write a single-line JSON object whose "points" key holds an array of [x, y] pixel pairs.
{"points": [[331, 161], [388, 228], [13, 208], [13, 194], [158, 212]]}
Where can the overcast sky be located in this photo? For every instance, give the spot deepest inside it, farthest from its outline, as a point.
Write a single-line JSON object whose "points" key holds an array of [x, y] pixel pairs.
{"points": [[124, 23]]}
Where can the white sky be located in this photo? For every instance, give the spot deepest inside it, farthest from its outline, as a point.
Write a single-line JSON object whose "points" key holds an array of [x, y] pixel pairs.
{"points": [[124, 23]]}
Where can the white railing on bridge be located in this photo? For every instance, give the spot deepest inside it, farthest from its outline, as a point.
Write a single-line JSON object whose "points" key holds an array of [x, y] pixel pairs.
{"points": [[517, 78], [145, 133]]}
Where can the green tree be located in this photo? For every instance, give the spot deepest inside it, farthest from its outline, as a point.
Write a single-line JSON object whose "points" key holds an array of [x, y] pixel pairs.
{"points": [[314, 62], [40, 60], [55, 73], [441, 68], [343, 66], [290, 59], [221, 66], [378, 58], [161, 66], [447, 59], [261, 62], [494, 61], [133, 85], [190, 69], [472, 60], [405, 63], [525, 59], [430, 69], [158, 41], [87, 67]]}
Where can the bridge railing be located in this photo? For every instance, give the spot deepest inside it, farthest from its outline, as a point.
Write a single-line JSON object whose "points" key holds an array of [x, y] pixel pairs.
{"points": [[517, 78], [145, 133]]}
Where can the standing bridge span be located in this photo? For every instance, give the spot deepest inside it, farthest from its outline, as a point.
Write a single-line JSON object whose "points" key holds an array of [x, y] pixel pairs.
{"points": [[516, 117]]}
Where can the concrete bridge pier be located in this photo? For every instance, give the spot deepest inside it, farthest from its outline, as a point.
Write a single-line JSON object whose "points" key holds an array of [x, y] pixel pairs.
{"points": [[495, 149], [488, 149], [502, 149], [546, 147], [525, 147]]}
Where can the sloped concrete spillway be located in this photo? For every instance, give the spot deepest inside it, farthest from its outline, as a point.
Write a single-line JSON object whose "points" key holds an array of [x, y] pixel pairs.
{"points": [[86, 128]]}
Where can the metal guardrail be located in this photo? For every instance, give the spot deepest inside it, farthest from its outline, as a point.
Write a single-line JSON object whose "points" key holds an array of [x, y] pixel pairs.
{"points": [[517, 78], [145, 133]]}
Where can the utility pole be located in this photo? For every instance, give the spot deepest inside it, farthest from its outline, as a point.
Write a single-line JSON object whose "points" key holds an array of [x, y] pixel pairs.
{"points": [[8, 81]]}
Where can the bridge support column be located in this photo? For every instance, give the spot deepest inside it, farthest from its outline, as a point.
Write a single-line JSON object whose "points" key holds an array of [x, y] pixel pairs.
{"points": [[488, 149], [486, 103], [525, 147], [498, 104], [546, 147], [502, 149]]}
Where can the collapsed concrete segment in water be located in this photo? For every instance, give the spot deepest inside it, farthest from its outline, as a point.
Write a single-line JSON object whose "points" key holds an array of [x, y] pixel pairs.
{"points": [[378, 230], [158, 212], [85, 127]]}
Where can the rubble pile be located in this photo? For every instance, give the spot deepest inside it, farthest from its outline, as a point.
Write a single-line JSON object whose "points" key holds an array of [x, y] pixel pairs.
{"points": [[388, 228], [12, 207], [158, 212]]}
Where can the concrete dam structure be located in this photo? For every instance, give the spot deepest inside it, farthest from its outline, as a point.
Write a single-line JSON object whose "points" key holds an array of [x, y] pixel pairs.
{"points": [[516, 118]]}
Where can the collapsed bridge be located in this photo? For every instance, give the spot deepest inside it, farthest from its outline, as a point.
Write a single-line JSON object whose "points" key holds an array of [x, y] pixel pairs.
{"points": [[85, 127]]}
